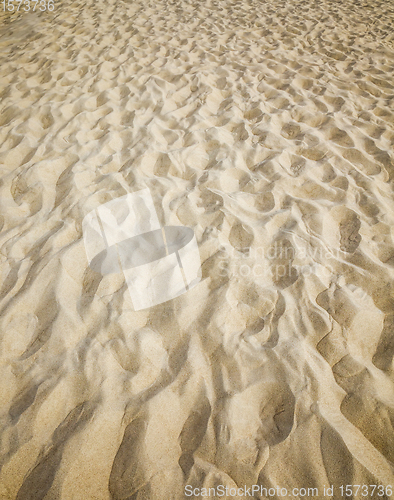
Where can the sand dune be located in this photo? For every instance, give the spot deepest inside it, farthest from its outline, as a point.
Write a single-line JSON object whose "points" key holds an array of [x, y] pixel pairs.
{"points": [[266, 127]]}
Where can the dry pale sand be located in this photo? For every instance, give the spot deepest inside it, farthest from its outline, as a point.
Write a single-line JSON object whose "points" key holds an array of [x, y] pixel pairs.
{"points": [[268, 128]]}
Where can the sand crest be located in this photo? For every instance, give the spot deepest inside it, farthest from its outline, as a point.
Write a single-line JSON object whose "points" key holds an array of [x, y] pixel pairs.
{"points": [[267, 128]]}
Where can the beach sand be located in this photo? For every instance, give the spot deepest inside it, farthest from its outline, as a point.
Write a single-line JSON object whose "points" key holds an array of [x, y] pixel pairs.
{"points": [[266, 127]]}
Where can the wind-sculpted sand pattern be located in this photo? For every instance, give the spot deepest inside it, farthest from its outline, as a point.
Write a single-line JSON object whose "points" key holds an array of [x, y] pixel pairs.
{"points": [[268, 128]]}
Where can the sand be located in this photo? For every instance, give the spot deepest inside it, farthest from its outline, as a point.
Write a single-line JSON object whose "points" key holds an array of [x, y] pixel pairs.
{"points": [[266, 127]]}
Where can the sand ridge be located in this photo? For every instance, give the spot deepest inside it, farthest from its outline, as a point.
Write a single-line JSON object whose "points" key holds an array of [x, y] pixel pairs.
{"points": [[269, 129]]}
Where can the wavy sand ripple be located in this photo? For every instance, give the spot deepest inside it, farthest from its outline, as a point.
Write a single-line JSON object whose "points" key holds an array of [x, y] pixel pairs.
{"points": [[269, 129]]}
